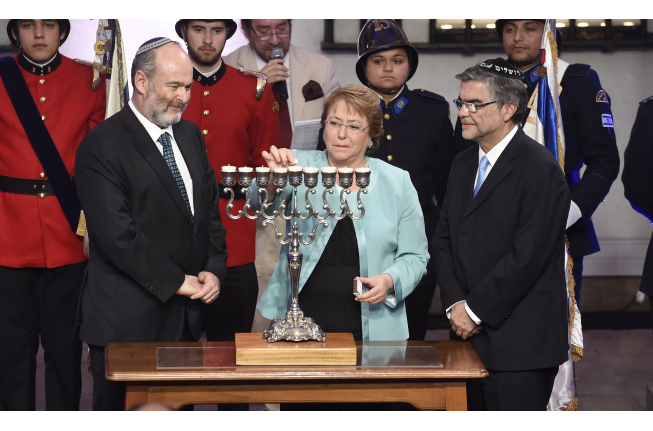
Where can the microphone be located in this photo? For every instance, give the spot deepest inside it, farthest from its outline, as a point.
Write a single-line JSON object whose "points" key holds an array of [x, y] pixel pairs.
{"points": [[283, 89]]}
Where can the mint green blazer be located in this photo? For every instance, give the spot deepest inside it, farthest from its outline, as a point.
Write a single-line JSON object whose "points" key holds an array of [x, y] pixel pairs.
{"points": [[390, 237]]}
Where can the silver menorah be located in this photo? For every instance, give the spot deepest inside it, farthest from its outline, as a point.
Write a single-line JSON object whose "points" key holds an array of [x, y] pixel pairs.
{"points": [[295, 326]]}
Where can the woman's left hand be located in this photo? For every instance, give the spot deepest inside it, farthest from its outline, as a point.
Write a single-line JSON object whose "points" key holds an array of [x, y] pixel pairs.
{"points": [[379, 286]]}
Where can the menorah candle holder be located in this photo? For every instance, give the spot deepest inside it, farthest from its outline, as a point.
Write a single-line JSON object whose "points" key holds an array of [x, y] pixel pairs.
{"points": [[295, 326]]}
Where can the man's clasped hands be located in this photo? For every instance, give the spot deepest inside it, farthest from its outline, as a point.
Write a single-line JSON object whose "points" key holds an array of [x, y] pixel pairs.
{"points": [[206, 287], [461, 323]]}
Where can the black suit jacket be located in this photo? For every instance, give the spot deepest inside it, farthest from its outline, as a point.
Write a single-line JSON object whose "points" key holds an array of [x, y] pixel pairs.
{"points": [[583, 102], [503, 252], [142, 242], [638, 178]]}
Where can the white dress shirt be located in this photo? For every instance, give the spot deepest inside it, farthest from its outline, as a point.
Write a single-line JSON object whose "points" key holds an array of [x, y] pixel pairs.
{"points": [[286, 62], [155, 132]]}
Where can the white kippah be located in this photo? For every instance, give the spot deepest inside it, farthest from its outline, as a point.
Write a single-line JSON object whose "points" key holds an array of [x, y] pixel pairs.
{"points": [[152, 44]]}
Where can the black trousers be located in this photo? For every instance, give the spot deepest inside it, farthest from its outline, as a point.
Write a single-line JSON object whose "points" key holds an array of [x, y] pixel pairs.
{"points": [[233, 311], [109, 395], [418, 304], [577, 272], [518, 390], [40, 302]]}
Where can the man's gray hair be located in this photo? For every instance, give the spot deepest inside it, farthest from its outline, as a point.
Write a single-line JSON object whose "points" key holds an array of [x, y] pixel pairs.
{"points": [[502, 90], [146, 62]]}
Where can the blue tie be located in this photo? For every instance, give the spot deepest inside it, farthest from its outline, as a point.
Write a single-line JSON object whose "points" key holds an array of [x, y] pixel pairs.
{"points": [[482, 167], [169, 157]]}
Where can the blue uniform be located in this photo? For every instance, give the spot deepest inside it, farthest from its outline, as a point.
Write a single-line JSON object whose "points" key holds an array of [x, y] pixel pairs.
{"points": [[638, 180]]}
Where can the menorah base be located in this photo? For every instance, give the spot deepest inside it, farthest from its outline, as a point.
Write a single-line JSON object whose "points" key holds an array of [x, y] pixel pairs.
{"points": [[294, 328]]}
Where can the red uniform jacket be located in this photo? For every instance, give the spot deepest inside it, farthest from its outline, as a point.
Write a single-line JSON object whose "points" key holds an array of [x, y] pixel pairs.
{"points": [[34, 232], [237, 129]]}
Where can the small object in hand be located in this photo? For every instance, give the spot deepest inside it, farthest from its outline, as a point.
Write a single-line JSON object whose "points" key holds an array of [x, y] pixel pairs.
{"points": [[358, 287]]}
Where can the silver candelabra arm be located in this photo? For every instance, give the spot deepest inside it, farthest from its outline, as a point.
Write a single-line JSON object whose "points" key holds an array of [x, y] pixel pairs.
{"points": [[309, 206], [230, 205], [247, 206], [311, 235], [361, 207], [282, 206], [344, 207], [277, 234], [325, 205]]}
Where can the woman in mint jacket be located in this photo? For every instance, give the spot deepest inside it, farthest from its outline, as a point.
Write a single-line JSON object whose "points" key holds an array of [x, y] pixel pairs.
{"points": [[386, 249]]}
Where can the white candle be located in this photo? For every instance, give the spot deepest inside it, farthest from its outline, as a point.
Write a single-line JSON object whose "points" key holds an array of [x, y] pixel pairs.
{"points": [[328, 170], [245, 170], [229, 168], [295, 168], [280, 170], [262, 170], [345, 170], [362, 170], [310, 170]]}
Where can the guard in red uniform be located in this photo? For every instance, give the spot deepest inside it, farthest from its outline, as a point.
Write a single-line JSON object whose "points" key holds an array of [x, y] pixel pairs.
{"points": [[41, 257], [237, 114]]}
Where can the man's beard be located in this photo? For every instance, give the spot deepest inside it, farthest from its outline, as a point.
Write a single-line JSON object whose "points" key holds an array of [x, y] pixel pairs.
{"points": [[267, 50], [157, 106], [204, 59]]}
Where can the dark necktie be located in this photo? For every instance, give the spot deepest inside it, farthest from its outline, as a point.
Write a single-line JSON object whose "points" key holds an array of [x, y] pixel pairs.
{"points": [[169, 157], [285, 127]]}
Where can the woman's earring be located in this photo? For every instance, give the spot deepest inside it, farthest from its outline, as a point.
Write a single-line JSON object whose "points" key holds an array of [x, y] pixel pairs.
{"points": [[369, 144]]}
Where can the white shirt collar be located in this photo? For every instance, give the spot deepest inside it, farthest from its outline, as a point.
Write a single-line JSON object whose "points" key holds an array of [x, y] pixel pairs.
{"points": [[495, 152], [41, 64], [397, 95], [152, 129], [209, 74]]}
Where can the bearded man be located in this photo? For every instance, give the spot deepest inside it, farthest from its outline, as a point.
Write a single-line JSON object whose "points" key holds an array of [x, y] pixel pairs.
{"points": [[237, 116], [157, 244]]}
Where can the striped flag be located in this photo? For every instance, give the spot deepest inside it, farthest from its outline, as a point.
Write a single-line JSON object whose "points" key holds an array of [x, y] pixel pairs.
{"points": [[545, 126]]}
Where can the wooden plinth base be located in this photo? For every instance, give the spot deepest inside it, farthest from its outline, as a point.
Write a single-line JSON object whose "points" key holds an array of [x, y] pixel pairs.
{"points": [[338, 349]]}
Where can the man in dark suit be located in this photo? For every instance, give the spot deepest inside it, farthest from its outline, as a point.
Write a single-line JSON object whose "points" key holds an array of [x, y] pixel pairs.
{"points": [[157, 244], [500, 243], [638, 182]]}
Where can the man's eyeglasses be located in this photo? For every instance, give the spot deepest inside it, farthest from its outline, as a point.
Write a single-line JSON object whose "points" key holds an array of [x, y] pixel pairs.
{"points": [[351, 129], [266, 35], [471, 107]]}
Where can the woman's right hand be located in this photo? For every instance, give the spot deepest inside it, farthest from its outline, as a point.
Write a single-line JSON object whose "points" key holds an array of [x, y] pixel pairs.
{"points": [[278, 158]]}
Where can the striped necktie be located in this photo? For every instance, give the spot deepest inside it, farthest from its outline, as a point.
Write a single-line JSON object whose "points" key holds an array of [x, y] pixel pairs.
{"points": [[169, 157]]}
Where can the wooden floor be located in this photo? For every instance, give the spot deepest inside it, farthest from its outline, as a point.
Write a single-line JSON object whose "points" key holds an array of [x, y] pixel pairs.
{"points": [[612, 376]]}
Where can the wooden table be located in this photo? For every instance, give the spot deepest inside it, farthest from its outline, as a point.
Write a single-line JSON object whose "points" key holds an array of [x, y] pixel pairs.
{"points": [[427, 388]]}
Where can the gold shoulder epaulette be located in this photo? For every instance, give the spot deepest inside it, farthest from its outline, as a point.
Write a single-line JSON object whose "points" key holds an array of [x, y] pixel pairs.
{"points": [[261, 79], [98, 69]]}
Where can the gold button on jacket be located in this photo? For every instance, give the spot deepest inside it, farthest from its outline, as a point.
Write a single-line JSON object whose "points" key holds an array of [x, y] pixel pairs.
{"points": [[43, 99], [389, 137], [205, 132], [206, 113], [206, 93], [386, 116], [390, 158]]}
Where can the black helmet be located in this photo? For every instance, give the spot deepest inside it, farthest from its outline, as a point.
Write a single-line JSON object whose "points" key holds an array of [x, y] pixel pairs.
{"points": [[64, 26], [380, 35], [230, 25], [500, 23]]}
